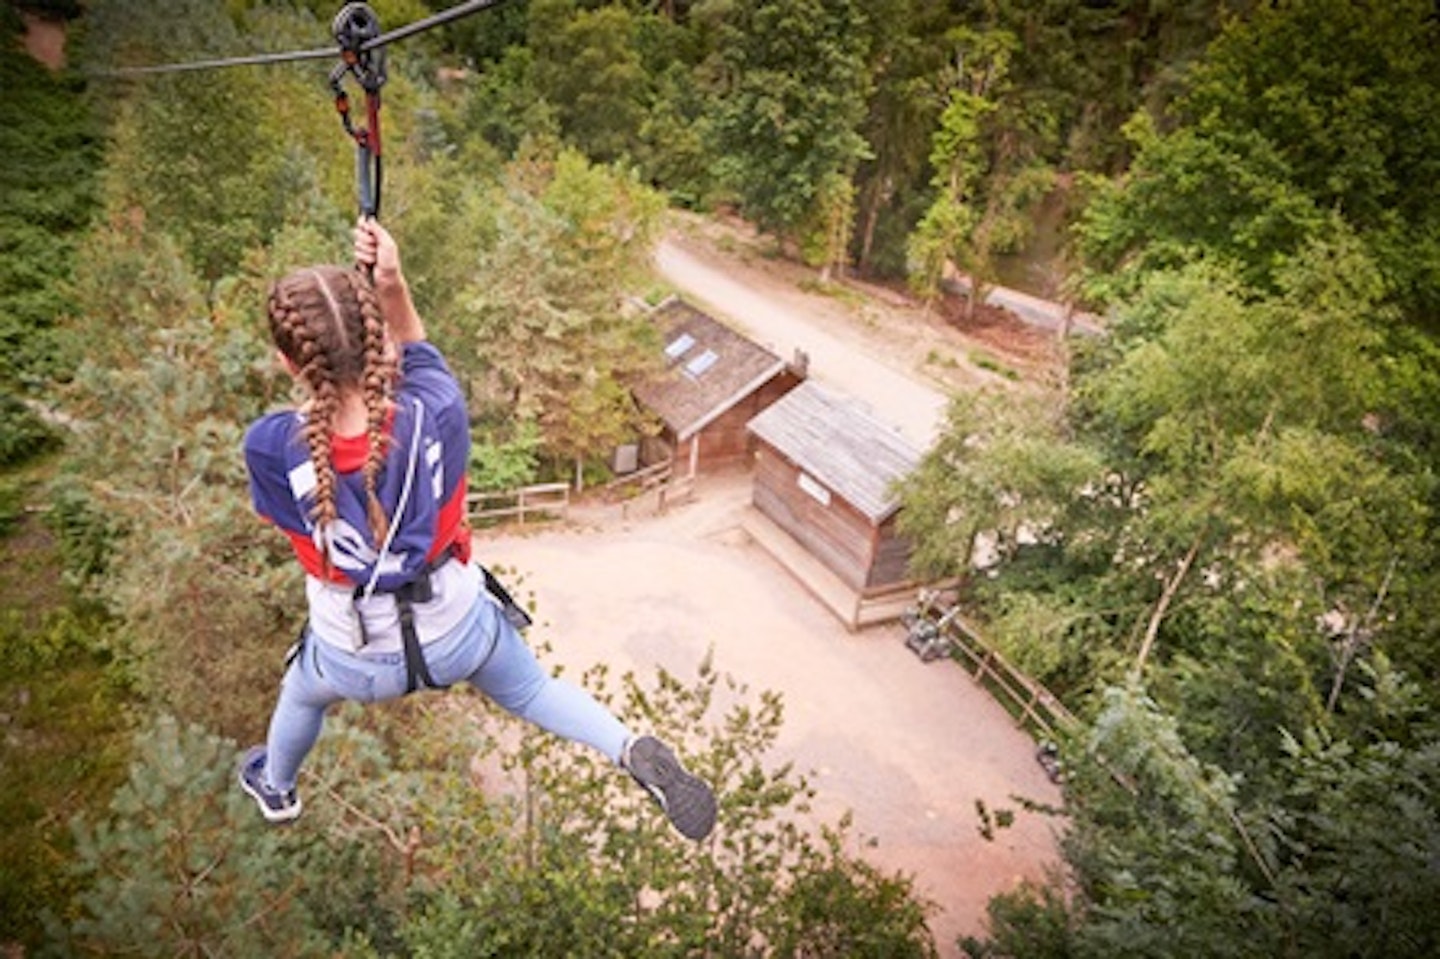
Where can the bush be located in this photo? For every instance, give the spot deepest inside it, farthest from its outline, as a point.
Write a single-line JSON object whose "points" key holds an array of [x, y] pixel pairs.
{"points": [[12, 506], [87, 536], [52, 9], [22, 434]]}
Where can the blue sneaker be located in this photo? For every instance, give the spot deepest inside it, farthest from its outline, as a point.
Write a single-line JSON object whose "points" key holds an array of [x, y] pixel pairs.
{"points": [[686, 800], [275, 806]]}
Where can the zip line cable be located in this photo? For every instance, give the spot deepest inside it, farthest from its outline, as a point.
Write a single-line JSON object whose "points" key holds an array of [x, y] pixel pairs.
{"points": [[260, 59], [361, 48]]}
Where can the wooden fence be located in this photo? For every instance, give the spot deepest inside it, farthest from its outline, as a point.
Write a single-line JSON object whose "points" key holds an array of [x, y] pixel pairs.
{"points": [[633, 484], [544, 499], [1023, 697], [658, 478]]}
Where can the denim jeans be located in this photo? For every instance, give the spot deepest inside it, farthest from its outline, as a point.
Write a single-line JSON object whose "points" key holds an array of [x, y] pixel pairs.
{"points": [[484, 650]]}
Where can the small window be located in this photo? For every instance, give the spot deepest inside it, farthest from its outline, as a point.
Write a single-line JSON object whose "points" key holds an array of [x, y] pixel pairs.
{"points": [[701, 363], [679, 346]]}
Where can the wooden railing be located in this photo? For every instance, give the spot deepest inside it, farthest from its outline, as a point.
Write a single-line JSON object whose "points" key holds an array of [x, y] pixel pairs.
{"points": [[641, 480], [547, 499], [659, 479], [1025, 698]]}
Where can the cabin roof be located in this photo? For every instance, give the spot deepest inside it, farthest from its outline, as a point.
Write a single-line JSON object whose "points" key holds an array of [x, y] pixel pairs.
{"points": [[839, 441], [710, 368]]}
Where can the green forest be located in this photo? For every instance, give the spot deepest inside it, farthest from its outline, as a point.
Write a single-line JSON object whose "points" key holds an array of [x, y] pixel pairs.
{"points": [[1214, 536]]}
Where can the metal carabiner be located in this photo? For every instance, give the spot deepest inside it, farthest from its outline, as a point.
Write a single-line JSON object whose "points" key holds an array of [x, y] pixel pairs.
{"points": [[355, 26]]}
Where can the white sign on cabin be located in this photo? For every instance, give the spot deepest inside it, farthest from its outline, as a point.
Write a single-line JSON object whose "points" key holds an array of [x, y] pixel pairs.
{"points": [[814, 490]]}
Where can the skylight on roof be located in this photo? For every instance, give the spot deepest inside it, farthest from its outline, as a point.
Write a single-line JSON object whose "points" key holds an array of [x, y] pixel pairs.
{"points": [[701, 363], [678, 347]]}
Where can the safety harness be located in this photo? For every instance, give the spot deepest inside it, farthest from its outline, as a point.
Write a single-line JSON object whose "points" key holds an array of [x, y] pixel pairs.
{"points": [[418, 590]]}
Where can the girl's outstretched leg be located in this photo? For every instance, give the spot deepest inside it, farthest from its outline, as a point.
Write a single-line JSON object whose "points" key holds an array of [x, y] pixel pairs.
{"points": [[267, 773], [513, 677]]}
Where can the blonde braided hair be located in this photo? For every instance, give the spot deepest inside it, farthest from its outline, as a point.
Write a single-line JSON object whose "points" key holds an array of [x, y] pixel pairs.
{"points": [[326, 321]]}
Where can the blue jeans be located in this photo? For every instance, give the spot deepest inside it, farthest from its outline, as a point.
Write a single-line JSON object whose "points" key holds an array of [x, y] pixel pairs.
{"points": [[484, 650]]}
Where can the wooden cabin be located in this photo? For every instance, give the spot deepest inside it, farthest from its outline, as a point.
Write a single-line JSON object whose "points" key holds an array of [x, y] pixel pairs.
{"points": [[825, 468], [715, 381]]}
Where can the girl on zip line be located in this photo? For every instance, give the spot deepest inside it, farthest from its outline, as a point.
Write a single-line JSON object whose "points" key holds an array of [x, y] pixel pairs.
{"points": [[367, 480]]}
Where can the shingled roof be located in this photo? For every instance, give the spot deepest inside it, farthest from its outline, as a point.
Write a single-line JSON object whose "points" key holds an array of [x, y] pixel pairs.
{"points": [[710, 369], [838, 441]]}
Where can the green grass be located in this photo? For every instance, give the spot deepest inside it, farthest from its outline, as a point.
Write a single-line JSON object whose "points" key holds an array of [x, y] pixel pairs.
{"points": [[987, 362]]}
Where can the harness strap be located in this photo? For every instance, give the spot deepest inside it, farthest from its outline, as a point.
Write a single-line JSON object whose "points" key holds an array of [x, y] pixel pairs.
{"points": [[417, 672], [508, 607], [418, 590]]}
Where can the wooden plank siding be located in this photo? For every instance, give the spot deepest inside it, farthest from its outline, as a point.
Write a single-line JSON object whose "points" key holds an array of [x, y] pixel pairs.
{"points": [[890, 563], [824, 469], [726, 440], [838, 534], [714, 383]]}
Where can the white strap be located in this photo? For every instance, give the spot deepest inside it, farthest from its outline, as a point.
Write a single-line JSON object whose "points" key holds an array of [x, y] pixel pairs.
{"points": [[404, 498]]}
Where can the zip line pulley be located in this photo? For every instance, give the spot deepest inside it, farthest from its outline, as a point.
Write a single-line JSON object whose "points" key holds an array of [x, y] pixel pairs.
{"points": [[355, 25]]}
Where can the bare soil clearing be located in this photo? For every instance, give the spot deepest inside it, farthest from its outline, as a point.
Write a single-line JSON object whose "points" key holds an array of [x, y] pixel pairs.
{"points": [[909, 748], [45, 40]]}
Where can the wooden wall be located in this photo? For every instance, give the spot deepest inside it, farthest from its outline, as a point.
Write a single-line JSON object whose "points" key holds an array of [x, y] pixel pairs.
{"points": [[844, 539], [891, 564], [726, 441]]}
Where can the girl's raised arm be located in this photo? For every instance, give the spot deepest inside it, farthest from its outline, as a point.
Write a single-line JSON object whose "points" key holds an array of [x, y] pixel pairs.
{"points": [[376, 249]]}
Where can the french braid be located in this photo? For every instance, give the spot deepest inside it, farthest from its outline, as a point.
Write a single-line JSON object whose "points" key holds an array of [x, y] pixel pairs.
{"points": [[327, 322], [378, 376]]}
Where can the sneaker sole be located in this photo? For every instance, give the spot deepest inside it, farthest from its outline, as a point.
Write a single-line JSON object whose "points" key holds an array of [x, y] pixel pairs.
{"points": [[688, 802], [285, 815]]}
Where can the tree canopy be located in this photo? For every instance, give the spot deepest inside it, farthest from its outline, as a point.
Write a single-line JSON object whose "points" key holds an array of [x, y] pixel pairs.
{"points": [[1215, 540]]}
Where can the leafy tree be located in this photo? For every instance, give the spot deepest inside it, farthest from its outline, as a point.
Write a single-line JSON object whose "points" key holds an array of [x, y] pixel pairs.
{"points": [[46, 199], [401, 854], [1309, 106], [1001, 469], [675, 136], [983, 195], [215, 208], [792, 101], [67, 732], [170, 871], [507, 109], [190, 573], [1227, 386], [587, 66], [595, 868], [545, 318], [1167, 857], [904, 108]]}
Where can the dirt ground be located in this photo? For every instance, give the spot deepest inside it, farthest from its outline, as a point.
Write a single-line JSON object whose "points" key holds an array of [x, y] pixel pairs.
{"points": [[45, 40], [949, 348], [908, 747]]}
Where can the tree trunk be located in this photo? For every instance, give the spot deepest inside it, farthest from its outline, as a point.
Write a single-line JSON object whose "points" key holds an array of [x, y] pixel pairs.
{"points": [[1357, 637], [1163, 606], [867, 233]]}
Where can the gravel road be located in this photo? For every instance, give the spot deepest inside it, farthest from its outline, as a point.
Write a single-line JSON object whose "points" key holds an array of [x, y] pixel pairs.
{"points": [[786, 319]]}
